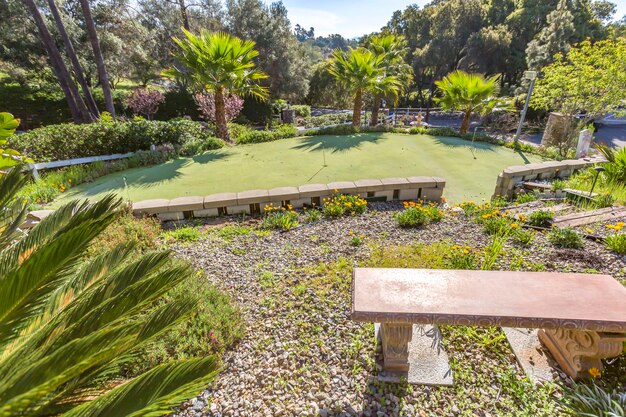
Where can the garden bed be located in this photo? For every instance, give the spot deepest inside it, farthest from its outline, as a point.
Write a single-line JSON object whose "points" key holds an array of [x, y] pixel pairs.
{"points": [[302, 355]]}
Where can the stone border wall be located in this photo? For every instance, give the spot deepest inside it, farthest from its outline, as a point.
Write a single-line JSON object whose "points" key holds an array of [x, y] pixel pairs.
{"points": [[253, 201], [513, 175]]}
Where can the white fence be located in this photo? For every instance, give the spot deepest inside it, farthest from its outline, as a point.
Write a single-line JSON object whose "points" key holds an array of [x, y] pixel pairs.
{"points": [[76, 161]]}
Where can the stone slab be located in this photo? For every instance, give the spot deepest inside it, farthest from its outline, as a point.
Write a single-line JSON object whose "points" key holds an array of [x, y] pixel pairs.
{"points": [[396, 183], [220, 200], [283, 193], [151, 206], [39, 214], [441, 182], [314, 190], [530, 354], [545, 300], [252, 196], [243, 209], [186, 204], [210, 212], [409, 193], [171, 216], [423, 182], [364, 186], [343, 187], [432, 194], [387, 194], [428, 362]]}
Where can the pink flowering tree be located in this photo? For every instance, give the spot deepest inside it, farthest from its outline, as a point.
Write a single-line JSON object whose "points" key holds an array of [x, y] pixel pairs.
{"points": [[145, 101], [206, 104]]}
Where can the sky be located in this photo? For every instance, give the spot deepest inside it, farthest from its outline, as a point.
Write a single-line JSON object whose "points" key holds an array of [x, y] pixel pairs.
{"points": [[352, 18]]}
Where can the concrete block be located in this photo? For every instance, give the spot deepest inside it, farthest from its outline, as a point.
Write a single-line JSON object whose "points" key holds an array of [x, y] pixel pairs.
{"points": [[314, 190], [532, 357], [239, 209], [210, 212], [252, 196], [220, 200], [432, 194], [396, 183], [150, 207], [388, 194], [365, 186], [171, 216], [343, 187], [409, 194], [186, 204], [517, 171], [301, 202], [441, 182], [422, 182], [283, 193]]}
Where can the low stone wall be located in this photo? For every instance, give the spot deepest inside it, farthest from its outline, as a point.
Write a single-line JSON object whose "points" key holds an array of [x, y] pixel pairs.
{"points": [[253, 201], [513, 175]]}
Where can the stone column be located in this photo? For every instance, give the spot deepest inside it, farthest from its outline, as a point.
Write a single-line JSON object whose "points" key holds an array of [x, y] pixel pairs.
{"points": [[556, 130], [577, 351], [584, 141], [395, 338]]}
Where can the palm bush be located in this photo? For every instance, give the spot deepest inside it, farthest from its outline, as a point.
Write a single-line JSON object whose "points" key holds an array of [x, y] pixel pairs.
{"points": [[469, 93], [220, 64], [68, 322]]}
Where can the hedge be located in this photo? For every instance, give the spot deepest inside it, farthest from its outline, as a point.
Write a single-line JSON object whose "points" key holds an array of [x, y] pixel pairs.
{"points": [[258, 136], [67, 141]]}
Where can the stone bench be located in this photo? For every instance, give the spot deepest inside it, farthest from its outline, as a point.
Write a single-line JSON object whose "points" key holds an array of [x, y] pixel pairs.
{"points": [[581, 317]]}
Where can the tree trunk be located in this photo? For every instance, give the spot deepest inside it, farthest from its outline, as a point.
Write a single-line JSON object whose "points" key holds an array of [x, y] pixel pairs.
{"points": [[220, 116], [97, 53], [358, 104], [71, 53], [375, 108], [466, 121], [183, 14], [77, 106]]}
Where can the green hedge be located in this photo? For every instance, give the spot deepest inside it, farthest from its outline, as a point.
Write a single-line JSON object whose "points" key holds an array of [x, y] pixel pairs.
{"points": [[258, 136], [302, 110], [67, 141]]}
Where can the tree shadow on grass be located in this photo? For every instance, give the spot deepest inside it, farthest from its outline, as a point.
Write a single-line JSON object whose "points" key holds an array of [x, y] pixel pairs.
{"points": [[337, 143], [477, 147]]}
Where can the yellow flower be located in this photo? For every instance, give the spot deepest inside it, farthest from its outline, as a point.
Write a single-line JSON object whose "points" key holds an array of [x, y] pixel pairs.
{"points": [[594, 372], [486, 216], [588, 230], [514, 226]]}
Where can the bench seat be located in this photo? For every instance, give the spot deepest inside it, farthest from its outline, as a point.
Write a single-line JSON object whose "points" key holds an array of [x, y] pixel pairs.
{"points": [[582, 316]]}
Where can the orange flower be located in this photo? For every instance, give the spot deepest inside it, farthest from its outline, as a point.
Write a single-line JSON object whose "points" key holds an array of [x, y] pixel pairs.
{"points": [[595, 372]]}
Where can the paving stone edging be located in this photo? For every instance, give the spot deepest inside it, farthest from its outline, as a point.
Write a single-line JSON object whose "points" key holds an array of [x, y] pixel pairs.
{"points": [[253, 201], [513, 175]]}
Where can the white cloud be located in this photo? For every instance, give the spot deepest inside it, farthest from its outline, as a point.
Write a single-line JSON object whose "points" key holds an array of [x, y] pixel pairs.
{"points": [[324, 22]]}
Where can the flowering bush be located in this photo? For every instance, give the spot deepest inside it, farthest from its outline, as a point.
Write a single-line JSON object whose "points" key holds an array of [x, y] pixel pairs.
{"points": [[616, 243], [206, 105], [540, 218], [340, 204], [281, 218], [462, 257], [565, 238], [417, 214], [145, 101]]}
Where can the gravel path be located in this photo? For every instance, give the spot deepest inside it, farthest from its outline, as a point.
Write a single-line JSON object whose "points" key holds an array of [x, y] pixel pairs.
{"points": [[303, 356]]}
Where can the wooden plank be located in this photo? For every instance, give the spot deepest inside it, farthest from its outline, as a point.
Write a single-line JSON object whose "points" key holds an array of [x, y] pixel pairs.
{"points": [[587, 213], [546, 300], [614, 215]]}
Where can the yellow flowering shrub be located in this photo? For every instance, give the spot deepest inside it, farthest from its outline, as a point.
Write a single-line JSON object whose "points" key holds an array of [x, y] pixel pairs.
{"points": [[339, 205], [279, 217], [418, 214]]}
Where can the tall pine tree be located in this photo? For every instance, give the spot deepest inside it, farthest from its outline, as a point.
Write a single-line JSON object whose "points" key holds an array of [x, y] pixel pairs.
{"points": [[555, 37]]}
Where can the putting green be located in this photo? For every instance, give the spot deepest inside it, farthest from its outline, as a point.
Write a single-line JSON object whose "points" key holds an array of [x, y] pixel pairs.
{"points": [[470, 170]]}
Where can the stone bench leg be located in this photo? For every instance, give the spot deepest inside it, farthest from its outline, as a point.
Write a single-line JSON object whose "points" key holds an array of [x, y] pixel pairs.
{"points": [[395, 340], [577, 351]]}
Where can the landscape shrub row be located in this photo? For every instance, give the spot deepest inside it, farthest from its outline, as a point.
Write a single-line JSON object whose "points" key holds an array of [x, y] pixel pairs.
{"points": [[245, 134], [67, 141], [325, 120]]}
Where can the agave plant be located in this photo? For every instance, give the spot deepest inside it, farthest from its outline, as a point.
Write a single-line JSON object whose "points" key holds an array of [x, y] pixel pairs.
{"points": [[592, 401], [68, 322]]}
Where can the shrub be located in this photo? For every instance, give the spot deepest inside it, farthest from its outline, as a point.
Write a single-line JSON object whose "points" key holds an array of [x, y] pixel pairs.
{"points": [[182, 234], [557, 185], [127, 230], [145, 101], [67, 141], [603, 200], [313, 215], [280, 218], [340, 204], [461, 257], [415, 215], [616, 243], [525, 198], [206, 105], [337, 130], [565, 238], [302, 110], [591, 400], [522, 236], [497, 225], [258, 136], [540, 218], [324, 120]]}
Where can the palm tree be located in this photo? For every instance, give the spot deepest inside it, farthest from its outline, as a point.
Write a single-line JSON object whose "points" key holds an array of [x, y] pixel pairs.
{"points": [[360, 70], [392, 49], [469, 93], [218, 63], [67, 323]]}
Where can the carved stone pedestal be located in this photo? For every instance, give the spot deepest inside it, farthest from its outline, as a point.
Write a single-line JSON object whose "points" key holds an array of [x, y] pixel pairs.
{"points": [[396, 338], [577, 351]]}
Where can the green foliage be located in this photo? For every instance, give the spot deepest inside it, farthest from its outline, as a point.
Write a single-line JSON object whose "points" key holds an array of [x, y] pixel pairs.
{"points": [[257, 136], [492, 250], [417, 215], [540, 218], [185, 234], [68, 320], [497, 225], [523, 236], [313, 215], [325, 120], [565, 238], [340, 204], [302, 110], [8, 157], [67, 141], [554, 38], [525, 198], [590, 400], [461, 257], [557, 185], [616, 243], [279, 218]]}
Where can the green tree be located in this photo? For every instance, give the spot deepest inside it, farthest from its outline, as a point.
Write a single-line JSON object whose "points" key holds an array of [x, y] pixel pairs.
{"points": [[392, 49], [68, 322], [361, 71], [469, 93], [555, 37], [220, 64], [590, 78]]}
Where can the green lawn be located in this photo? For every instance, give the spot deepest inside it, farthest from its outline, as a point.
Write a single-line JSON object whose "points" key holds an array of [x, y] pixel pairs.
{"points": [[317, 159]]}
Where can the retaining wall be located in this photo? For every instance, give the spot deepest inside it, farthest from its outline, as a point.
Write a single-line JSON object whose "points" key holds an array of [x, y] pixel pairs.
{"points": [[253, 201], [513, 175]]}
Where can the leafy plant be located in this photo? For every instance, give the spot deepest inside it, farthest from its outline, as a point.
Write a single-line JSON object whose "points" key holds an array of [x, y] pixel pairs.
{"points": [[313, 215], [461, 257], [302, 110], [566, 237], [492, 251], [557, 185], [592, 401], [525, 198], [341, 204], [182, 234], [67, 321], [9, 157], [206, 105], [416, 214], [616, 243], [540, 218], [497, 225], [145, 101], [281, 218], [523, 236]]}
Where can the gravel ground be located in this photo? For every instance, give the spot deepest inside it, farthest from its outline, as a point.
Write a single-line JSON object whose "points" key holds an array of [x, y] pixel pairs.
{"points": [[303, 356]]}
